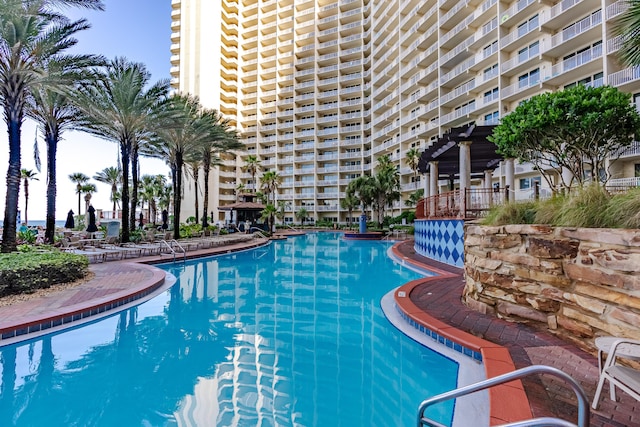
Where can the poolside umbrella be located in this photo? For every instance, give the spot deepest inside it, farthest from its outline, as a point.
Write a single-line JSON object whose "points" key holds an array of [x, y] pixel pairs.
{"points": [[92, 220], [165, 218], [141, 219], [70, 221]]}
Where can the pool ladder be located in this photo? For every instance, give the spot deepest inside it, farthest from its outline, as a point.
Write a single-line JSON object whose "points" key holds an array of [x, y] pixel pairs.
{"points": [[583, 405]]}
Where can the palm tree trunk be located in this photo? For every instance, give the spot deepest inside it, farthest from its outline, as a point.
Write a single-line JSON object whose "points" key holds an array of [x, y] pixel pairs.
{"points": [[26, 201], [206, 165], [134, 180], [114, 189], [52, 147], [124, 153], [13, 182], [177, 196], [195, 180]]}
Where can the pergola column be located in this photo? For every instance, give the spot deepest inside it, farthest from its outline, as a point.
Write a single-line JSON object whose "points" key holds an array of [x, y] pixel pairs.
{"points": [[509, 177], [465, 174], [433, 186], [488, 187]]}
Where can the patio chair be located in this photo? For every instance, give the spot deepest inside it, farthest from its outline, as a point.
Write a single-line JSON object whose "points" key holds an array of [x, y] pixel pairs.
{"points": [[624, 377]]}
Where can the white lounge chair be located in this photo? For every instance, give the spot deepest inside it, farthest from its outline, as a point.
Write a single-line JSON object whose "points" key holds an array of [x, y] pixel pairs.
{"points": [[624, 377]]}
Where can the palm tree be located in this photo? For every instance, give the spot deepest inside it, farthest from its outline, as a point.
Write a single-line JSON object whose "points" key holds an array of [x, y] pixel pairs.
{"points": [[252, 166], [88, 190], [301, 215], [180, 128], [415, 197], [269, 213], [79, 179], [282, 209], [118, 108], [628, 27], [223, 141], [413, 160], [150, 186], [270, 181], [31, 35], [111, 176], [349, 202], [363, 190], [239, 190], [27, 175], [194, 164], [386, 186]]}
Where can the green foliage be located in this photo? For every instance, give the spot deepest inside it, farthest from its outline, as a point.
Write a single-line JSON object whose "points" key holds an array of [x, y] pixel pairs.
{"points": [[324, 223], [578, 129], [591, 207], [190, 229], [27, 271], [511, 213], [27, 236], [625, 209]]}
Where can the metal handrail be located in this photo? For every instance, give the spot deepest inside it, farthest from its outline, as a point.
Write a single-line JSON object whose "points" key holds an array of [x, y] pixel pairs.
{"points": [[170, 244], [583, 405]]}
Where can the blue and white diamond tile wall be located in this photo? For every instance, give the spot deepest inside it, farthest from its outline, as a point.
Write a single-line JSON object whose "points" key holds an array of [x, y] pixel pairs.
{"points": [[441, 240]]}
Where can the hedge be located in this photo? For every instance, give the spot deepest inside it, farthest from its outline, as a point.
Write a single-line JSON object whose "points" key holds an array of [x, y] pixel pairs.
{"points": [[27, 272]]}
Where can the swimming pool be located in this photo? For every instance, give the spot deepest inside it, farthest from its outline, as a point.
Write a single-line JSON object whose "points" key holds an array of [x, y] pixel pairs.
{"points": [[287, 334]]}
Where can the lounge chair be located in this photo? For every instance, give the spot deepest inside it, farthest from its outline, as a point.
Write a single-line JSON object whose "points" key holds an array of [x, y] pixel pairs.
{"points": [[624, 377]]}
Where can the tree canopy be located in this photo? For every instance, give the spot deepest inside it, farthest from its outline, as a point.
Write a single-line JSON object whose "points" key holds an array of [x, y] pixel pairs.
{"points": [[577, 129]]}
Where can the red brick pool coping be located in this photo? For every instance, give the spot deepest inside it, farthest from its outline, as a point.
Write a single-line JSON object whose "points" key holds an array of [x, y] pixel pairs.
{"points": [[508, 402]]}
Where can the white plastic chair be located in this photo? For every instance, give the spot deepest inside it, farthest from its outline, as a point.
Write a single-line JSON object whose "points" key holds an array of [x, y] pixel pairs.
{"points": [[624, 377]]}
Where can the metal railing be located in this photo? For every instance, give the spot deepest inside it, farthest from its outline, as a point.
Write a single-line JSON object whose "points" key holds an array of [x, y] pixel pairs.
{"points": [[170, 246], [583, 405]]}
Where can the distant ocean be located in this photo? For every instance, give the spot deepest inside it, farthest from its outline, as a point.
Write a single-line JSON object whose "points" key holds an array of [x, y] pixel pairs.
{"points": [[59, 223]]}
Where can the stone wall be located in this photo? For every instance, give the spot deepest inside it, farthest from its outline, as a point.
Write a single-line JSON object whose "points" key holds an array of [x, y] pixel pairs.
{"points": [[580, 282]]}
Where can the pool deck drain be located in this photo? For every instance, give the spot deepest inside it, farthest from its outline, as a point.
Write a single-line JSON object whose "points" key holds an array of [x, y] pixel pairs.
{"points": [[438, 298]]}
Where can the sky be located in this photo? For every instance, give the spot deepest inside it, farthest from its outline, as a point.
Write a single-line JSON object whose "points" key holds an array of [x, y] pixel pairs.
{"points": [[139, 30]]}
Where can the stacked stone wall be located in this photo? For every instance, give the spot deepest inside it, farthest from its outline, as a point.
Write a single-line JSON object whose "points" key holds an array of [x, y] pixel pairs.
{"points": [[580, 282]]}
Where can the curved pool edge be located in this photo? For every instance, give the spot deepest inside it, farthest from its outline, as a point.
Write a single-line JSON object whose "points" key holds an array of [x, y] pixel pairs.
{"points": [[467, 411], [116, 286], [507, 402]]}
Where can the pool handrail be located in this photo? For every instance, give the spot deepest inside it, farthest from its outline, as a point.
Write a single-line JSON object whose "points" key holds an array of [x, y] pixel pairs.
{"points": [[583, 404]]}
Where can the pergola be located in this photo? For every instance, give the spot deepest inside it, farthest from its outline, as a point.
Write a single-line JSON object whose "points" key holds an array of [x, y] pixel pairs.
{"points": [[462, 153], [463, 149]]}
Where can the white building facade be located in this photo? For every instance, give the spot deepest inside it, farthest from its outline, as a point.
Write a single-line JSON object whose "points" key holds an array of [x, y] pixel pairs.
{"points": [[320, 89]]}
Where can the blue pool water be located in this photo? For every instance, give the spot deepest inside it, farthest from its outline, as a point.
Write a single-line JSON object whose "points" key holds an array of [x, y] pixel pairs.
{"points": [[283, 335]]}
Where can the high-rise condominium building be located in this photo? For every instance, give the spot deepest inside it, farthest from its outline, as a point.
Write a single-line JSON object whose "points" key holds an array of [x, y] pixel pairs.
{"points": [[320, 89]]}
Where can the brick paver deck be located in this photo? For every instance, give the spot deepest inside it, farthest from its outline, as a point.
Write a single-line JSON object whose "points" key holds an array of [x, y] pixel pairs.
{"points": [[527, 346]]}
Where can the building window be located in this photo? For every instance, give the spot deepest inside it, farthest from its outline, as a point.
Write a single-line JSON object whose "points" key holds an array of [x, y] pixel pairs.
{"points": [[527, 183], [527, 26], [492, 118], [529, 79]]}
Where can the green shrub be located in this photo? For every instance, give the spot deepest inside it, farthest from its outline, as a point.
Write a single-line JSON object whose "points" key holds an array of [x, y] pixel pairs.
{"points": [[624, 209], [584, 208], [511, 213], [26, 272]]}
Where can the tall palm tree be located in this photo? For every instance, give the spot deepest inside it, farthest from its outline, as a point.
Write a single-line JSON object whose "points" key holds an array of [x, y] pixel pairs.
{"points": [[79, 179], [27, 175], [386, 185], [413, 160], [54, 113], [270, 181], [180, 128], [118, 107], [269, 214], [111, 176], [31, 34], [223, 141], [88, 190], [349, 202], [252, 166]]}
